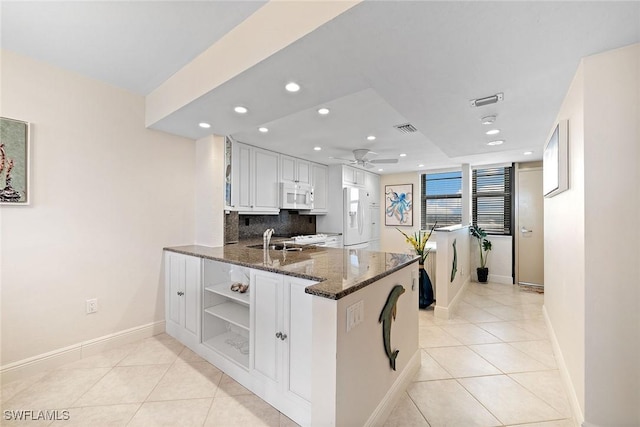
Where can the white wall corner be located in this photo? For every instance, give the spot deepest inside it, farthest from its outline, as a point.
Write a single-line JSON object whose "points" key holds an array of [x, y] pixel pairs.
{"points": [[578, 416]]}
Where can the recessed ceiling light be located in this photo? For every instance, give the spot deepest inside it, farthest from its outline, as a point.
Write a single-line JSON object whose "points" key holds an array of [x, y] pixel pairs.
{"points": [[263, 129], [371, 137], [487, 120], [403, 155], [317, 148], [380, 170], [421, 165], [528, 153], [323, 111], [496, 142], [292, 87], [240, 109], [493, 132], [204, 125]]}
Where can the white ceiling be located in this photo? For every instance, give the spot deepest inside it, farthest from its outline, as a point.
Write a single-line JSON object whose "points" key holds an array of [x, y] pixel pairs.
{"points": [[379, 64]]}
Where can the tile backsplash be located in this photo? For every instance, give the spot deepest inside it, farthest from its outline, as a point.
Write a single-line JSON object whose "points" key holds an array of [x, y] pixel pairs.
{"points": [[287, 223]]}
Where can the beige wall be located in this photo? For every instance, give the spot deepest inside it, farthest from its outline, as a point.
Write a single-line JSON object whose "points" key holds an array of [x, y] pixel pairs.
{"points": [[564, 265], [591, 240], [612, 211], [209, 187], [107, 195], [390, 239]]}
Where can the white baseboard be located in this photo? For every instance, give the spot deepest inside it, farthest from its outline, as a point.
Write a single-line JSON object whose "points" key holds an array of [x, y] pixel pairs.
{"points": [[447, 312], [503, 280], [391, 399], [53, 359], [578, 416]]}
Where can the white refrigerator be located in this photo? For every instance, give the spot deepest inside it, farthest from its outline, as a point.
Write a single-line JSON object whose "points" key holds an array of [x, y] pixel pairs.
{"points": [[356, 231]]}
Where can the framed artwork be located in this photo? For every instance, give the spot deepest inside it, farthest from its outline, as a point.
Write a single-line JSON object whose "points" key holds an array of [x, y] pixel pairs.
{"points": [[14, 162], [398, 204], [555, 170]]}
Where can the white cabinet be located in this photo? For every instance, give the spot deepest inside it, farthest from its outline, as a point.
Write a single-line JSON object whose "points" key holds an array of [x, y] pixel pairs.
{"points": [[254, 180], [320, 183], [281, 334], [352, 176], [372, 185], [293, 170], [182, 296], [226, 312]]}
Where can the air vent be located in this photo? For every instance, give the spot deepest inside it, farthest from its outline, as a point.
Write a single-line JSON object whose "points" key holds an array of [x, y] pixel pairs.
{"points": [[487, 100], [406, 128]]}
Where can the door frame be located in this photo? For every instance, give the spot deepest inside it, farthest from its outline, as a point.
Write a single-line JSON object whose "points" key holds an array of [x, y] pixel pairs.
{"points": [[528, 166]]}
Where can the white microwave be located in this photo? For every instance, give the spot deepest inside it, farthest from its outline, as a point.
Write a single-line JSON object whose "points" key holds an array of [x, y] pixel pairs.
{"points": [[296, 196]]}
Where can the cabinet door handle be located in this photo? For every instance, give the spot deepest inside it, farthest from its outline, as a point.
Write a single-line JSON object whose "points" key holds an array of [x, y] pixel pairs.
{"points": [[180, 293], [283, 337], [279, 335]]}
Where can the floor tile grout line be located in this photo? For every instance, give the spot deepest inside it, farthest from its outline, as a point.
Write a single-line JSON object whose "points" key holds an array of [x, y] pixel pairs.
{"points": [[418, 408], [502, 423], [149, 394]]}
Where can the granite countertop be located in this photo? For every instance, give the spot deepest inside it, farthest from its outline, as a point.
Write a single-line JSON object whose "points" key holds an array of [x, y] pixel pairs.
{"points": [[338, 271]]}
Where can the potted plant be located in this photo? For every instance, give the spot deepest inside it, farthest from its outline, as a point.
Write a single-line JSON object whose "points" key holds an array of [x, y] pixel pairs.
{"points": [[484, 247], [419, 241]]}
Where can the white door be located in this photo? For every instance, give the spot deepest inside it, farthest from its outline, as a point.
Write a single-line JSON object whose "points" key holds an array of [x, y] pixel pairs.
{"points": [[356, 221], [266, 180], [175, 284], [303, 172], [266, 323], [298, 343], [320, 183], [530, 240]]}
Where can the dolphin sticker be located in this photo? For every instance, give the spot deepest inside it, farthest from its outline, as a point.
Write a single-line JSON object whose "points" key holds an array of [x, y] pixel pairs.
{"points": [[389, 312]]}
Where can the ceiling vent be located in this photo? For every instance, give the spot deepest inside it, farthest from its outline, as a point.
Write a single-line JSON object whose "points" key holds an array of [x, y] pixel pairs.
{"points": [[487, 100], [406, 128]]}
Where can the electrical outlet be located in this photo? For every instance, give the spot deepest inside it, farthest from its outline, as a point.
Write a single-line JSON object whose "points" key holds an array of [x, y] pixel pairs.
{"points": [[355, 314], [92, 305]]}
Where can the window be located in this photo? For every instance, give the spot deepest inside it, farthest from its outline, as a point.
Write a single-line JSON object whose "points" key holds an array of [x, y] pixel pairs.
{"points": [[492, 199], [441, 199]]}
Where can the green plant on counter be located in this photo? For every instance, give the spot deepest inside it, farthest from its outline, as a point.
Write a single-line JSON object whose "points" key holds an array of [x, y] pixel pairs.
{"points": [[483, 244], [419, 241]]}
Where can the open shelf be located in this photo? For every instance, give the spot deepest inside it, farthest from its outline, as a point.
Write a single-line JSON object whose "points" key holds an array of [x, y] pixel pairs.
{"points": [[231, 312], [219, 344], [224, 289]]}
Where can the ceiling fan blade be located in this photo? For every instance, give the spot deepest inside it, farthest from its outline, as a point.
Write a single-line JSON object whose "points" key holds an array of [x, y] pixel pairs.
{"points": [[345, 160], [383, 161]]}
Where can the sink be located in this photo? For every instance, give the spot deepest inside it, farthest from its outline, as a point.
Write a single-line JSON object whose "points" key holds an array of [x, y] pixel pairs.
{"points": [[279, 247]]}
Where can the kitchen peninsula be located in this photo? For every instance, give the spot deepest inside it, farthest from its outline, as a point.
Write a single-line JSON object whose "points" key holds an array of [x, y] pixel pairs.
{"points": [[306, 335]]}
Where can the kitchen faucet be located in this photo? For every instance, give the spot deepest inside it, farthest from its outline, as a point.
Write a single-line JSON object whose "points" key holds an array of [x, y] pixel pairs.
{"points": [[266, 238]]}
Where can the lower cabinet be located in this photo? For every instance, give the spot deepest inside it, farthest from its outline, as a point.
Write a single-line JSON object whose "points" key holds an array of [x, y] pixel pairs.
{"points": [[253, 325], [281, 333], [182, 297]]}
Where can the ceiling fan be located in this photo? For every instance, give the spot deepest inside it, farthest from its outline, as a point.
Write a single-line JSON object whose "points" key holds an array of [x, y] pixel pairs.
{"points": [[360, 158]]}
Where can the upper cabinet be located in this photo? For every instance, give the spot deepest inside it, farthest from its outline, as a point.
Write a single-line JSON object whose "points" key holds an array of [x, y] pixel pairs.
{"points": [[320, 183], [254, 180], [352, 176], [293, 170]]}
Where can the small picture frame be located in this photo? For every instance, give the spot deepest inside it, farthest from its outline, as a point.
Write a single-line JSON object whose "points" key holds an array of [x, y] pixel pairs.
{"points": [[398, 204], [14, 162]]}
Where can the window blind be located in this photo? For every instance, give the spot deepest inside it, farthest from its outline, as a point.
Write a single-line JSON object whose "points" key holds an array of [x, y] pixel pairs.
{"points": [[492, 190], [441, 199]]}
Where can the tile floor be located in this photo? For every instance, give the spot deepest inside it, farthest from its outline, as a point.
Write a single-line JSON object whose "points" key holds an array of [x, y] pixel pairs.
{"points": [[491, 365]]}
